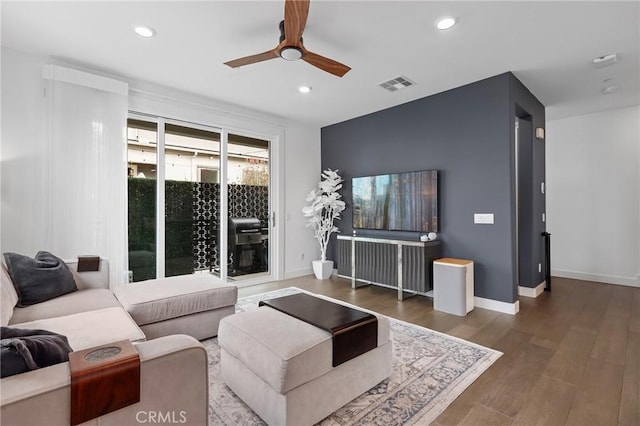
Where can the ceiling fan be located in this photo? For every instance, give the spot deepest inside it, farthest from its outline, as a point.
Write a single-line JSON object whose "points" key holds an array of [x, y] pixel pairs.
{"points": [[290, 46]]}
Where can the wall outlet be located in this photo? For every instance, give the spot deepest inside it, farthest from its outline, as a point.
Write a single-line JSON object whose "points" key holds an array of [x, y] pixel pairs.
{"points": [[483, 218], [301, 256]]}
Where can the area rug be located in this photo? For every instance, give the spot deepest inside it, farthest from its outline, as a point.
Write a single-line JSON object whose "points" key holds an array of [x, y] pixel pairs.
{"points": [[430, 370]]}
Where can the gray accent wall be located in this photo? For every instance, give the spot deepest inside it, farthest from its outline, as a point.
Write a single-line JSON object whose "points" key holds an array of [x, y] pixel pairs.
{"points": [[467, 133]]}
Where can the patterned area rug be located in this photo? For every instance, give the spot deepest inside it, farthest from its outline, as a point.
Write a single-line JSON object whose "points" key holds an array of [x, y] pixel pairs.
{"points": [[430, 370]]}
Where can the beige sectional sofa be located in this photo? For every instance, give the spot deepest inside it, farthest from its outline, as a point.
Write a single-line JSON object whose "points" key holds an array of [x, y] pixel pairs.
{"points": [[90, 317]]}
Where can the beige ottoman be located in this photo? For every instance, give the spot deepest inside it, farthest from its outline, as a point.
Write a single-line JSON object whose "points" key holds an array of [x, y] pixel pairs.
{"points": [[281, 367], [188, 304]]}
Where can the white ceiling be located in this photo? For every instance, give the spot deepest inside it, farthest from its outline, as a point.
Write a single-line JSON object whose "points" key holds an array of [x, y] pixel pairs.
{"points": [[549, 46]]}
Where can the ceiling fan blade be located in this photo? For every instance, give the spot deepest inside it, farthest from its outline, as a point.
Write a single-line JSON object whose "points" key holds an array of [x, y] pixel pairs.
{"points": [[252, 59], [295, 19], [325, 64]]}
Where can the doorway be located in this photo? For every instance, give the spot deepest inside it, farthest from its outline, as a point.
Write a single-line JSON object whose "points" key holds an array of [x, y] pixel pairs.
{"points": [[524, 186]]}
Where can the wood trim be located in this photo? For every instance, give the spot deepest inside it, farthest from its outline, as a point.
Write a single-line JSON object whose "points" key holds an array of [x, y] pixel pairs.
{"points": [[453, 261]]}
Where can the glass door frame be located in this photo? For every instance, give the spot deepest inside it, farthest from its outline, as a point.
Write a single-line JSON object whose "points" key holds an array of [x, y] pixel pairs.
{"points": [[275, 137]]}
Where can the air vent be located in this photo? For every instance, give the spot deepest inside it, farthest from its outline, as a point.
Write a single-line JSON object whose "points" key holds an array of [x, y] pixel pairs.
{"points": [[396, 83]]}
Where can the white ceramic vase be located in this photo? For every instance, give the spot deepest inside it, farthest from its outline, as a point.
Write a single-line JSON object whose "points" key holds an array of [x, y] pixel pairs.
{"points": [[322, 268]]}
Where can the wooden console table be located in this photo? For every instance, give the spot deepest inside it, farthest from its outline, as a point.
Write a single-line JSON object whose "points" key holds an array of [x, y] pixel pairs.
{"points": [[402, 264]]}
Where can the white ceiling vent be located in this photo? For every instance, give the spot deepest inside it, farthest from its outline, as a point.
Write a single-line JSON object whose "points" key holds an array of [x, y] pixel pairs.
{"points": [[396, 83]]}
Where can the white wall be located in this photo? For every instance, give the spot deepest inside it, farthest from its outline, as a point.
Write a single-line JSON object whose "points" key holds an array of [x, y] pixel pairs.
{"points": [[23, 173], [302, 173], [593, 196], [22, 225]]}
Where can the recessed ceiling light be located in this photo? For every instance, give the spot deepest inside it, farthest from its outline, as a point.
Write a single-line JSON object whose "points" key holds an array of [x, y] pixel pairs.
{"points": [[605, 61], [445, 23], [304, 89], [143, 31]]}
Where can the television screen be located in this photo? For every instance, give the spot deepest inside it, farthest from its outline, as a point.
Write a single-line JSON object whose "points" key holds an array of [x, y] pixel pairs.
{"points": [[399, 202]]}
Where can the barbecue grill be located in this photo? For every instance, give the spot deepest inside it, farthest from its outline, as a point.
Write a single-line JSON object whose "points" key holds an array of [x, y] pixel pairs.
{"points": [[245, 243]]}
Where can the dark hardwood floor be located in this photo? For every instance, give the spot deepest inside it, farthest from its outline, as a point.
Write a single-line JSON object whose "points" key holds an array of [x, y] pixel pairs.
{"points": [[571, 357]]}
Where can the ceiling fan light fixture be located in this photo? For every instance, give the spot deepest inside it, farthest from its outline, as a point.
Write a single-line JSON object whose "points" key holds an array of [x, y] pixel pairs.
{"points": [[291, 53], [445, 23]]}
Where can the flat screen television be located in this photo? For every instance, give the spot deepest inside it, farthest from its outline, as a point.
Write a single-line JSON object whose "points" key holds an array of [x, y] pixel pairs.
{"points": [[398, 202]]}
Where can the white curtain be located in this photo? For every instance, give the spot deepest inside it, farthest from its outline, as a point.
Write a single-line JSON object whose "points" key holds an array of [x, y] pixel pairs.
{"points": [[87, 167]]}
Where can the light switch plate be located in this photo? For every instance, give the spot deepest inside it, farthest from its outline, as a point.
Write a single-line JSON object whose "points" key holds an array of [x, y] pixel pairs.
{"points": [[483, 218]]}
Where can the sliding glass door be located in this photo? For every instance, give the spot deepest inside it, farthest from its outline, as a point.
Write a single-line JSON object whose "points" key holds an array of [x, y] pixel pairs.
{"points": [[142, 142], [192, 165], [199, 201], [248, 206]]}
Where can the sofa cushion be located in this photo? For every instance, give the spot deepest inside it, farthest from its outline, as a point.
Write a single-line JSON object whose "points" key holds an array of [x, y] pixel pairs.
{"points": [[25, 350], [158, 300], [8, 297], [92, 328], [72, 303], [38, 279]]}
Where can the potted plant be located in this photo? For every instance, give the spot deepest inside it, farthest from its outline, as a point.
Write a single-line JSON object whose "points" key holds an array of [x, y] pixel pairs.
{"points": [[324, 208]]}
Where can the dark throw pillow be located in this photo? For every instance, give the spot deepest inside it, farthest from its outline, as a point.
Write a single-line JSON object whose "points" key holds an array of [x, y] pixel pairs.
{"points": [[25, 350], [39, 279]]}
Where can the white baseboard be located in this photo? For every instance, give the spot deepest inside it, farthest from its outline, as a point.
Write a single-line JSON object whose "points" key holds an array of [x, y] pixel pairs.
{"points": [[496, 305], [607, 279], [480, 302], [298, 273], [532, 292]]}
